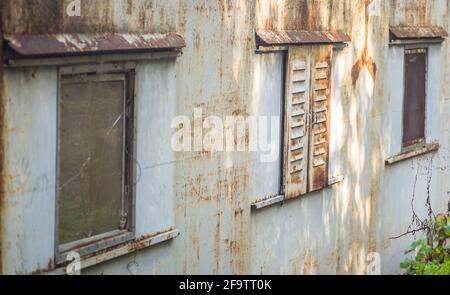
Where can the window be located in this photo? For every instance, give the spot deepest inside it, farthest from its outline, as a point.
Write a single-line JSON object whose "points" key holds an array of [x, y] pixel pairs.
{"points": [[94, 162], [415, 97], [307, 119]]}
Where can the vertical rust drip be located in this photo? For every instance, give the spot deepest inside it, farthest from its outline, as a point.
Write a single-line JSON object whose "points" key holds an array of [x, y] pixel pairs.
{"points": [[365, 60]]}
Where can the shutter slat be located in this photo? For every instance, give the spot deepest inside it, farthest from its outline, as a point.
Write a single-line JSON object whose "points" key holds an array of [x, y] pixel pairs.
{"points": [[321, 98]]}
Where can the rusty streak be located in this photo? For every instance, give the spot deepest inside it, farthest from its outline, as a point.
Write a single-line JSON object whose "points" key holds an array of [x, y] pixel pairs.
{"points": [[365, 60]]}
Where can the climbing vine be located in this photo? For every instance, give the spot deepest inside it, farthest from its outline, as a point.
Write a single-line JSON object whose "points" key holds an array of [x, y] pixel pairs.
{"points": [[429, 255]]}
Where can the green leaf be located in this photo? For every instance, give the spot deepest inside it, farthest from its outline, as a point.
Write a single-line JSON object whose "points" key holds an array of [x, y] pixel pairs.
{"points": [[406, 264], [416, 244]]}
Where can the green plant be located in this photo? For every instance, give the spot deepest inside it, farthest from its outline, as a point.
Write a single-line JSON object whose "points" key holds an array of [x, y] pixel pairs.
{"points": [[432, 255]]}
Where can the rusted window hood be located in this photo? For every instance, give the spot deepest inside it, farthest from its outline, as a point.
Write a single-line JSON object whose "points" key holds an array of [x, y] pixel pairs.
{"points": [[408, 33], [285, 38], [85, 44]]}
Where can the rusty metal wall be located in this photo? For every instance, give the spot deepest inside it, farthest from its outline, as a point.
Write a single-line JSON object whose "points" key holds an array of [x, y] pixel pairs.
{"points": [[326, 232]]}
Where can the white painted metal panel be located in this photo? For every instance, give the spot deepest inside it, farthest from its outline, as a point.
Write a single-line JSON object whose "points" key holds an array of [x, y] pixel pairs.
{"points": [[29, 220]]}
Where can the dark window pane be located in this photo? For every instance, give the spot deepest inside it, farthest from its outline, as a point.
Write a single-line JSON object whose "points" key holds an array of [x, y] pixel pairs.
{"points": [[91, 142], [415, 92]]}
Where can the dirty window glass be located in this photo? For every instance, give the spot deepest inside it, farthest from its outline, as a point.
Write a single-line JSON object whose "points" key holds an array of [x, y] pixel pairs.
{"points": [[91, 156], [415, 96]]}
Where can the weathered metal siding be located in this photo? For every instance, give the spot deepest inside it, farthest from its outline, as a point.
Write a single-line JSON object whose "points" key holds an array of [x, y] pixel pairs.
{"points": [[331, 231], [2, 126], [29, 205]]}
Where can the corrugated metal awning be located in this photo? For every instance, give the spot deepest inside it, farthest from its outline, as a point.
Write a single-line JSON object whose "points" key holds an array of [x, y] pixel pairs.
{"points": [[82, 44], [284, 38], [405, 33]]}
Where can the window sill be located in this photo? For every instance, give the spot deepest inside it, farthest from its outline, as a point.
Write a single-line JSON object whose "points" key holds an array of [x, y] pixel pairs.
{"points": [[93, 245], [267, 202], [419, 151], [121, 250]]}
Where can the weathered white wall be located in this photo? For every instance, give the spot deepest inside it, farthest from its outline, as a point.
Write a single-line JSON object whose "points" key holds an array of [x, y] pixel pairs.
{"points": [[208, 196], [155, 171], [29, 217]]}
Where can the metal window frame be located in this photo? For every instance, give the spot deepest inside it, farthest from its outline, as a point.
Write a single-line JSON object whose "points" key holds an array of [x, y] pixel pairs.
{"points": [[419, 142], [284, 81], [92, 245]]}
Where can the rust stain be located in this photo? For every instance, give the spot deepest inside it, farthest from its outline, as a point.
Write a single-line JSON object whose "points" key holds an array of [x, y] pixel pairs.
{"points": [[98, 16], [197, 42], [310, 263], [42, 271], [217, 242], [365, 60]]}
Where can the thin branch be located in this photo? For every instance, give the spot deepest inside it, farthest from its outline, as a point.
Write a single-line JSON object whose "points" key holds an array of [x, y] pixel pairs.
{"points": [[412, 232]]}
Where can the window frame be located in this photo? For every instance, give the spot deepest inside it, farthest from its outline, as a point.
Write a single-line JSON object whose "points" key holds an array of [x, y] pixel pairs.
{"points": [[420, 142], [92, 245], [283, 122]]}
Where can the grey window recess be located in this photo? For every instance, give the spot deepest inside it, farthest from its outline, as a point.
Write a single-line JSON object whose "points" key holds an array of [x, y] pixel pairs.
{"points": [[306, 108], [414, 103], [67, 49], [95, 150], [416, 42], [95, 210]]}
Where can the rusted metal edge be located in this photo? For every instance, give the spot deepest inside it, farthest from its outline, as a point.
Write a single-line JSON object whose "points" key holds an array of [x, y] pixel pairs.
{"points": [[406, 42], [278, 49], [335, 180], [286, 38], [76, 44], [258, 205], [94, 245], [430, 148], [271, 49], [92, 59], [405, 33], [116, 252], [267, 202]]}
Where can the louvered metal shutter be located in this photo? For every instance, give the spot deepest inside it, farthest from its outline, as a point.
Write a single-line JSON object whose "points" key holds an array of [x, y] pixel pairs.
{"points": [[307, 119]]}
